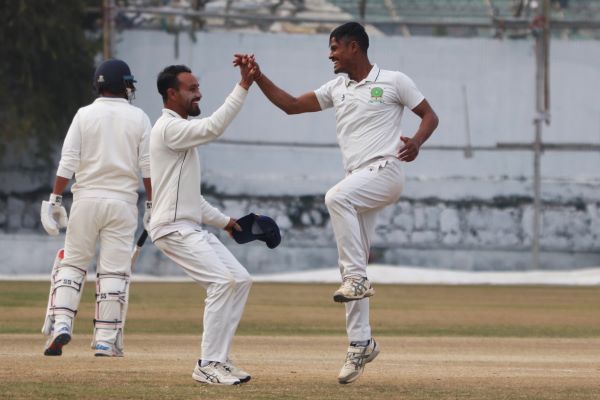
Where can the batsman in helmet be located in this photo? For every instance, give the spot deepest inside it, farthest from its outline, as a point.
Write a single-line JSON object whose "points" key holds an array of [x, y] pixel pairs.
{"points": [[105, 149]]}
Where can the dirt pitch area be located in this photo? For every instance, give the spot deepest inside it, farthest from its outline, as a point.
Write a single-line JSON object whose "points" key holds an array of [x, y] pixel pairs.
{"points": [[159, 367]]}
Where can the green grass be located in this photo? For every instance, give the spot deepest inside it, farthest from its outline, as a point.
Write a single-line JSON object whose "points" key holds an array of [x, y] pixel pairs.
{"points": [[303, 309]]}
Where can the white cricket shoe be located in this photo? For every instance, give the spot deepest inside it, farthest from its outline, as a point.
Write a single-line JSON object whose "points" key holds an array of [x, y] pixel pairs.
{"points": [[103, 349], [239, 373], [55, 343], [353, 288], [356, 358], [214, 373]]}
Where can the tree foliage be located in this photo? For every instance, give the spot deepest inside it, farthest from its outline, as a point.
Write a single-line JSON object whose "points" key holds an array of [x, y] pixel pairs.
{"points": [[45, 74]]}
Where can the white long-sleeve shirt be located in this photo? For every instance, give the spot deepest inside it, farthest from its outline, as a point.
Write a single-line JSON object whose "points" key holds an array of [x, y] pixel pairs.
{"points": [[106, 147], [176, 177]]}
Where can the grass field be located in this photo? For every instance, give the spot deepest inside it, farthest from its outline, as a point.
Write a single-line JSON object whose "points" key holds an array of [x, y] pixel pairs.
{"points": [[438, 342]]}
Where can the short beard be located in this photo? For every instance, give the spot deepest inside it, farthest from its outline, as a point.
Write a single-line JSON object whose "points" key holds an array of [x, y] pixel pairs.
{"points": [[194, 111]]}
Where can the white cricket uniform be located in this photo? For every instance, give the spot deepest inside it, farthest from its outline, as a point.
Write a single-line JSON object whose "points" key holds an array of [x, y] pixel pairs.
{"points": [[179, 210], [106, 147], [368, 115]]}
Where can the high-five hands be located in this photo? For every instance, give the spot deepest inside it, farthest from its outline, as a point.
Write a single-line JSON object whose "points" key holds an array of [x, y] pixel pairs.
{"points": [[248, 69]]}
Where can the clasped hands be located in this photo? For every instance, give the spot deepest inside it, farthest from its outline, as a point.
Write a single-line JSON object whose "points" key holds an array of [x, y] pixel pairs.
{"points": [[249, 69]]}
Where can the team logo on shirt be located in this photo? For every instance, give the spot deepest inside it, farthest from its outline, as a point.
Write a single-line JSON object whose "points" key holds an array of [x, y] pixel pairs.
{"points": [[376, 95]]}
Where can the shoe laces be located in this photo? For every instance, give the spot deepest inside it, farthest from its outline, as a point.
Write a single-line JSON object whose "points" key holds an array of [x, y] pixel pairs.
{"points": [[356, 356], [229, 366], [356, 284], [220, 367]]}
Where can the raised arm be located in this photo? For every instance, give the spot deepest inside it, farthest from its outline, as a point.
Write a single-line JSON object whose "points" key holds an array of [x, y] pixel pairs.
{"points": [[180, 134], [289, 104]]}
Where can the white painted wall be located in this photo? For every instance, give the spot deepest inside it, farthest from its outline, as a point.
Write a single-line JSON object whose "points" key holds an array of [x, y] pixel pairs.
{"points": [[497, 74], [448, 217]]}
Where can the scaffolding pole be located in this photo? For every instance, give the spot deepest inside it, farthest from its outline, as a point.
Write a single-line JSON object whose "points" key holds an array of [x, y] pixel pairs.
{"points": [[540, 29]]}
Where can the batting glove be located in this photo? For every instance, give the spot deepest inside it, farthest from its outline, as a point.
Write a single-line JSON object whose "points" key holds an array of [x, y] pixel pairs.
{"points": [[53, 215]]}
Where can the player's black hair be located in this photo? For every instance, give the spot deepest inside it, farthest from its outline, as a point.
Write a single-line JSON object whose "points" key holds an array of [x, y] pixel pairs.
{"points": [[167, 78], [352, 31]]}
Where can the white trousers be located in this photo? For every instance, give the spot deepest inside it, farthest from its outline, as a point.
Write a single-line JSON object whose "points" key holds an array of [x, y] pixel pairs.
{"points": [[112, 223], [353, 206], [204, 258]]}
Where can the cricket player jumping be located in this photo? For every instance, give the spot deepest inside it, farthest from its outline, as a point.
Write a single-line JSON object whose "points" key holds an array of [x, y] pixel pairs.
{"points": [[179, 209], [106, 147], [369, 104]]}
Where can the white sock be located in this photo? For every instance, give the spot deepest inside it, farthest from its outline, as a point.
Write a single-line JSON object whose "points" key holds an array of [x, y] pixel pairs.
{"points": [[360, 343]]}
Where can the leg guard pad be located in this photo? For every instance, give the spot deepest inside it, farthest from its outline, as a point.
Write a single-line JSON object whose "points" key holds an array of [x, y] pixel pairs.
{"points": [[111, 305], [66, 286]]}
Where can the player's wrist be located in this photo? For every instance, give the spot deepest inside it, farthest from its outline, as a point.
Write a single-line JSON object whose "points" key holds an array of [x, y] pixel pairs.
{"points": [[245, 84], [55, 199]]}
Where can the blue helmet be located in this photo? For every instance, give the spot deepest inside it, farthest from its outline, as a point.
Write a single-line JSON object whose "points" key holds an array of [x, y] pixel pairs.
{"points": [[114, 75]]}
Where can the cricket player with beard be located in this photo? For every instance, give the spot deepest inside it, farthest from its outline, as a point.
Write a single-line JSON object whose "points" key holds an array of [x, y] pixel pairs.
{"points": [[368, 104], [179, 210], [106, 148]]}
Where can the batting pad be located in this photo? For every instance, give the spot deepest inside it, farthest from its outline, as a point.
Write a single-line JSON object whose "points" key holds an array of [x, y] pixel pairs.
{"points": [[66, 285], [111, 304]]}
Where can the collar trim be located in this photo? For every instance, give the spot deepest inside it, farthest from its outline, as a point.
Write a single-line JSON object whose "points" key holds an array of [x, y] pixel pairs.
{"points": [[171, 113], [371, 77]]}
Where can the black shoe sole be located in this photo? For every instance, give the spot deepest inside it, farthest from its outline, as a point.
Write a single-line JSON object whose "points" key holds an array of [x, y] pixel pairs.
{"points": [[55, 348], [340, 298]]}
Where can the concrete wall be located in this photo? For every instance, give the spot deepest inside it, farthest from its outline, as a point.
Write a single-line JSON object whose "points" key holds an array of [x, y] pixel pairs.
{"points": [[456, 212]]}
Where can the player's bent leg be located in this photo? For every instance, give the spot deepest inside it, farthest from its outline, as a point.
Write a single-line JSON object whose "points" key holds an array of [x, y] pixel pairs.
{"points": [[111, 302], [217, 334], [112, 284], [66, 286], [243, 283], [356, 358], [346, 229], [196, 253]]}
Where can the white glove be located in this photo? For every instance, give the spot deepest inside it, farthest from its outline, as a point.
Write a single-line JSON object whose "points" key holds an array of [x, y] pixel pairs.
{"points": [[53, 215], [147, 214]]}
